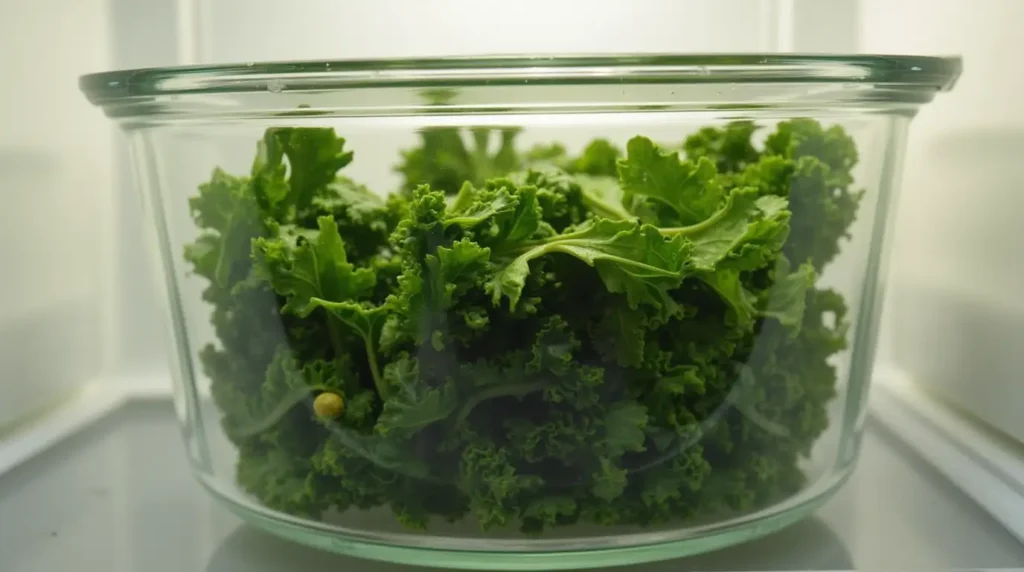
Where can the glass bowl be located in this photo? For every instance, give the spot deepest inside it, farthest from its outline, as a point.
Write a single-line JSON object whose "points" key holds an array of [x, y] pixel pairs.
{"points": [[523, 313]]}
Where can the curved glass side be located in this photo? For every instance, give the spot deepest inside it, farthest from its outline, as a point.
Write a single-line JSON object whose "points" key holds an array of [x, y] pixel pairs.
{"points": [[544, 335]]}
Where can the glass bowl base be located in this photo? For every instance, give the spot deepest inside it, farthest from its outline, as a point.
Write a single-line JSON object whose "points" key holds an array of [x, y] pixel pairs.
{"points": [[684, 542]]}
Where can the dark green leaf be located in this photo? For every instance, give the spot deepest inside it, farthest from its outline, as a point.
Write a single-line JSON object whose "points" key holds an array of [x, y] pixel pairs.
{"points": [[620, 335], [413, 404]]}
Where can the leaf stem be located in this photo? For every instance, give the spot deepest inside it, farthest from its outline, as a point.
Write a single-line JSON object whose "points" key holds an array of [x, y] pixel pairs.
{"points": [[524, 247], [283, 406], [606, 210], [495, 391], [335, 335], [371, 355], [703, 225], [378, 380]]}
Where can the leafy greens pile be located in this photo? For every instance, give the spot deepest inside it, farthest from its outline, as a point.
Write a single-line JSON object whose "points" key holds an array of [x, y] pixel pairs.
{"points": [[529, 339]]}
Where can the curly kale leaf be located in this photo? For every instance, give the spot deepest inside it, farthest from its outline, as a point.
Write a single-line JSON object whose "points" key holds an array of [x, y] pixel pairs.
{"points": [[500, 213], [567, 200], [311, 268], [315, 273], [314, 157], [413, 404], [665, 353], [600, 158], [730, 148], [664, 190], [437, 273], [227, 208], [630, 258], [444, 161], [809, 165]]}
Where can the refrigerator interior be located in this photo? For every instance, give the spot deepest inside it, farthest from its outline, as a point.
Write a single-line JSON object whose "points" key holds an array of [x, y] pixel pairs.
{"points": [[84, 397]]}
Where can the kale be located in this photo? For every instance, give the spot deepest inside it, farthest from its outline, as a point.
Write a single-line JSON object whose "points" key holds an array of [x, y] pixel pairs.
{"points": [[625, 337]]}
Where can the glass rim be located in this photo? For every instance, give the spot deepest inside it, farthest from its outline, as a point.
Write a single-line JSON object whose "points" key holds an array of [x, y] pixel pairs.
{"points": [[897, 73]]}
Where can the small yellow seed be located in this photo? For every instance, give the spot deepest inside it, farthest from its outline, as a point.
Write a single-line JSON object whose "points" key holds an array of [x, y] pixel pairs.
{"points": [[328, 405]]}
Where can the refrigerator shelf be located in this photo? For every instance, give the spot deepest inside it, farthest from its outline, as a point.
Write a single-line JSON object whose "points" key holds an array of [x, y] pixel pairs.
{"points": [[115, 494]]}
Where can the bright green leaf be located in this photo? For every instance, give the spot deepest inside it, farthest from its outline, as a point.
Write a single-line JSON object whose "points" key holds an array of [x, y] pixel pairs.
{"points": [[687, 188], [316, 268]]}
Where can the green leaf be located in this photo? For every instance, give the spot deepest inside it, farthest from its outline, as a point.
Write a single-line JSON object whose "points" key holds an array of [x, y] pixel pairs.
{"points": [[689, 189], [547, 512], [492, 484], [685, 474], [599, 158], [413, 404], [463, 200], [279, 480], [788, 294], [448, 266], [730, 148], [553, 349], [632, 259], [559, 196], [444, 161], [359, 202], [366, 319], [624, 425], [226, 206], [474, 206], [215, 206], [316, 268], [315, 155], [680, 380], [620, 335], [746, 234], [347, 449], [728, 284], [603, 196], [602, 394], [553, 154], [511, 212], [609, 482]]}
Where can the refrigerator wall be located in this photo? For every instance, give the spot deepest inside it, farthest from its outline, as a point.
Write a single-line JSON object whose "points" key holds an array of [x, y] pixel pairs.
{"points": [[396, 28], [955, 317], [231, 30], [55, 219]]}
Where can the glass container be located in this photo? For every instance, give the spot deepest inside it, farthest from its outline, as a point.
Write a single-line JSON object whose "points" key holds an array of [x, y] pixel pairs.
{"points": [[522, 312]]}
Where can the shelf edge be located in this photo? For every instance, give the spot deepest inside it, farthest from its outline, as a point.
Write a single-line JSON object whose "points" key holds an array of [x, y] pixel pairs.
{"points": [[988, 471]]}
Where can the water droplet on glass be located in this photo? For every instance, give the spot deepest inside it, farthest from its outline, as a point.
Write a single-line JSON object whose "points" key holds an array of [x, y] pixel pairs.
{"points": [[327, 65], [275, 86], [249, 64]]}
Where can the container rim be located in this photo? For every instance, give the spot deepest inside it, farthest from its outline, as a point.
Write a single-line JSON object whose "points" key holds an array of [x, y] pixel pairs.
{"points": [[897, 73]]}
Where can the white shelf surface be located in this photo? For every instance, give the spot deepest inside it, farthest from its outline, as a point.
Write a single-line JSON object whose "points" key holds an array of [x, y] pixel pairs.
{"points": [[117, 496]]}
